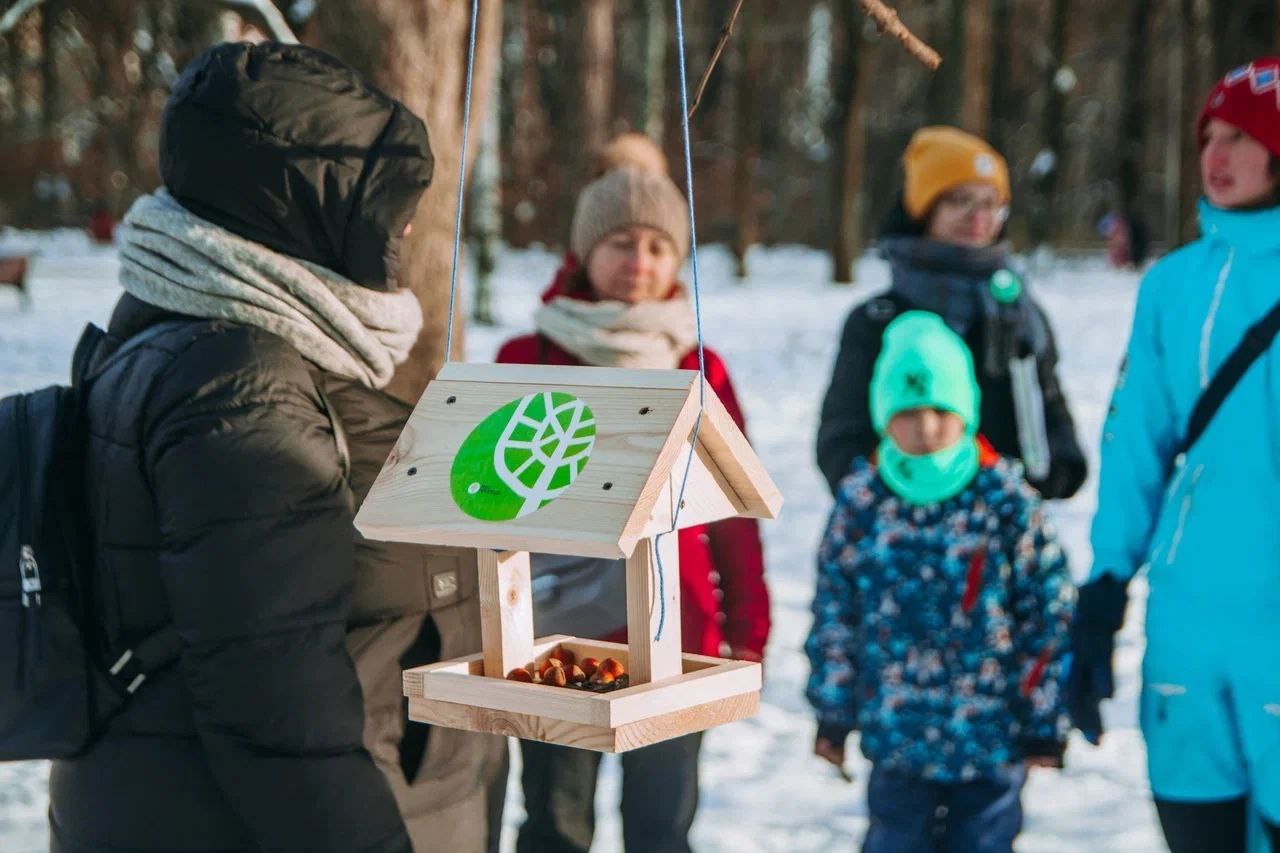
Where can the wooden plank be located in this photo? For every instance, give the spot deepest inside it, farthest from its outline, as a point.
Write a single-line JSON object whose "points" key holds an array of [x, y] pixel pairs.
{"points": [[546, 374], [473, 664], [496, 694], [648, 588], [604, 648], [737, 462], [512, 724], [686, 721], [588, 518], [506, 611], [599, 738], [708, 496], [659, 475], [730, 678]]}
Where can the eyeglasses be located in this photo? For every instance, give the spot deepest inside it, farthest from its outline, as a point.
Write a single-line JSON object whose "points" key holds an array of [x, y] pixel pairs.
{"points": [[967, 204]]}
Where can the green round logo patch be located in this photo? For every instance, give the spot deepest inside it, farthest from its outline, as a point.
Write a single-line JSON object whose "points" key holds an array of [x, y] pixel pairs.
{"points": [[523, 456], [1005, 286]]}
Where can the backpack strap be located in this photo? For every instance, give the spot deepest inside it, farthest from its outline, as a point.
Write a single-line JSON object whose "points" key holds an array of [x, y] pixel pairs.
{"points": [[1256, 341]]}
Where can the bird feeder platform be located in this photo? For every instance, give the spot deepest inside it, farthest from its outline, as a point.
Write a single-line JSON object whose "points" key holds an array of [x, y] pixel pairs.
{"points": [[582, 461]]}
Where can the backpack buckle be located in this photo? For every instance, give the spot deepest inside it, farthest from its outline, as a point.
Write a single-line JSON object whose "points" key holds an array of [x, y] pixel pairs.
{"points": [[128, 671], [29, 571]]}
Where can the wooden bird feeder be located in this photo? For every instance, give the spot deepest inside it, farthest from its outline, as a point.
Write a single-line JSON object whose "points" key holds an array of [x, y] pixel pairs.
{"points": [[583, 461]]}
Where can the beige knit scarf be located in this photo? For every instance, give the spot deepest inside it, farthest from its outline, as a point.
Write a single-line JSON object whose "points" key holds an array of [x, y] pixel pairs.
{"points": [[655, 334], [173, 259]]}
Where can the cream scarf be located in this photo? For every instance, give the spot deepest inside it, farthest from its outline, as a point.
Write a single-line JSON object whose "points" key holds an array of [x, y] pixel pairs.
{"points": [[175, 260], [656, 334]]}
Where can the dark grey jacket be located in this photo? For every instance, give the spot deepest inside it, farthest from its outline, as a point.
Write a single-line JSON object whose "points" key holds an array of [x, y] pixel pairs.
{"points": [[220, 505], [952, 282]]}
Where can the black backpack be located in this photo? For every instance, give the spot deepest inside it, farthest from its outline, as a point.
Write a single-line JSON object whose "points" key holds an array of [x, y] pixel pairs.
{"points": [[55, 691]]}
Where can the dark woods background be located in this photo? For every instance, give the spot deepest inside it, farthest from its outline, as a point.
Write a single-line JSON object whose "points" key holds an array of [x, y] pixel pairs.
{"points": [[796, 141]]}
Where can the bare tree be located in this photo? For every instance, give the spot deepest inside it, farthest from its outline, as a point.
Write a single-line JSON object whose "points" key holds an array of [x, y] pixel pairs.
{"points": [[746, 231], [1133, 111], [655, 68], [975, 103], [848, 129], [1055, 80], [597, 73], [1197, 76], [417, 52]]}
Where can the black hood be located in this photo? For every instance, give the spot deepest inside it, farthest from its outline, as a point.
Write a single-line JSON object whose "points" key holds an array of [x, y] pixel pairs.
{"points": [[287, 146]]}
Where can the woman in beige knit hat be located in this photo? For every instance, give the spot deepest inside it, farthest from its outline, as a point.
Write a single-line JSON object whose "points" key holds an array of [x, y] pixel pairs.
{"points": [[617, 302]]}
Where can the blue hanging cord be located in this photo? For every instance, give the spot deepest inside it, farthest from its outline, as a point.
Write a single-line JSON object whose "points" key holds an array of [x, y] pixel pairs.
{"points": [[462, 178], [697, 313]]}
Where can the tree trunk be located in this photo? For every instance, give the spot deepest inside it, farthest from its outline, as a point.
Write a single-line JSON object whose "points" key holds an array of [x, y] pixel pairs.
{"points": [[485, 206], [1174, 133], [948, 30], [1133, 111], [746, 213], [975, 109], [1053, 127], [655, 69], [417, 52], [49, 106], [1001, 70], [848, 129], [597, 74], [1197, 77]]}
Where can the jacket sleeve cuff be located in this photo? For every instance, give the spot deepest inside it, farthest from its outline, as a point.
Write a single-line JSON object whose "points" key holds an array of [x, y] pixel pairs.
{"points": [[1044, 748], [836, 733]]}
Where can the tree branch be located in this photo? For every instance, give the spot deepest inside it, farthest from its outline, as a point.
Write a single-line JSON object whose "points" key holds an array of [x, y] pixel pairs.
{"points": [[277, 26], [16, 11], [715, 56], [890, 24]]}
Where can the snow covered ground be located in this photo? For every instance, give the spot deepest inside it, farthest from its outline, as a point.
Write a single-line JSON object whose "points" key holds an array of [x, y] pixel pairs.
{"points": [[761, 788]]}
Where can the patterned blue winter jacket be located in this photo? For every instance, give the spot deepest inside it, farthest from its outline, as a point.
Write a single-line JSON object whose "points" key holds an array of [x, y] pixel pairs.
{"points": [[939, 630]]}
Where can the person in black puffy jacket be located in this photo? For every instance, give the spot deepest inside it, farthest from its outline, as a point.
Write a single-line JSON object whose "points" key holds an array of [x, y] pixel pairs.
{"points": [[942, 241], [235, 424]]}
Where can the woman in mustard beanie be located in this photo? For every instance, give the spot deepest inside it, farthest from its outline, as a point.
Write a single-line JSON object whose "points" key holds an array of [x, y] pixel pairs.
{"points": [[617, 302], [943, 242]]}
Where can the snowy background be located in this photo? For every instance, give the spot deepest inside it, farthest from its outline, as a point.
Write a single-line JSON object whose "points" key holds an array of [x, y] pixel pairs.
{"points": [[762, 790]]}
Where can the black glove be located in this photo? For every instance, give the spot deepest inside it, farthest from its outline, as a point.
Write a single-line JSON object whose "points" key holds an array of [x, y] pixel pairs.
{"points": [[1100, 609]]}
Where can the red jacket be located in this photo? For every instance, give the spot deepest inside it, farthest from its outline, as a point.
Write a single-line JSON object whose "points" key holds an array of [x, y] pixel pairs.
{"points": [[724, 600]]}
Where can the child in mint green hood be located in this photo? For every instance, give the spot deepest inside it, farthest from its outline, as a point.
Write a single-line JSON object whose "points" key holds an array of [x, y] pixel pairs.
{"points": [[924, 405], [941, 613]]}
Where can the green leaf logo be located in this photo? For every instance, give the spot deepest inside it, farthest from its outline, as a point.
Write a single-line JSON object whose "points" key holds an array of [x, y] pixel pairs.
{"points": [[523, 456]]}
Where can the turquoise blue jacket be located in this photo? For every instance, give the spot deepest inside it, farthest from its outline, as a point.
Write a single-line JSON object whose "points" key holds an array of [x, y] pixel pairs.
{"points": [[1207, 526]]}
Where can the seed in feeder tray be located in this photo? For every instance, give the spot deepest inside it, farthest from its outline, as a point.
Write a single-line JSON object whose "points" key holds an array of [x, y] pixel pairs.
{"points": [[555, 677], [576, 675], [549, 664], [608, 671], [520, 674], [565, 657], [589, 666]]}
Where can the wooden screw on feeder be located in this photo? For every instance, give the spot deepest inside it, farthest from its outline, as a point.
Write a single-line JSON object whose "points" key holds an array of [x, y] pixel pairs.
{"points": [[580, 461]]}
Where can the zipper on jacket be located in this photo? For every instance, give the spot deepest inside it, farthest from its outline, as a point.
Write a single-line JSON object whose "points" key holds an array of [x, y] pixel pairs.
{"points": [[28, 568], [1183, 512]]}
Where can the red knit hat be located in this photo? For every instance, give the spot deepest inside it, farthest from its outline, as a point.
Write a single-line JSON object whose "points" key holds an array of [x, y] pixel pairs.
{"points": [[1248, 98]]}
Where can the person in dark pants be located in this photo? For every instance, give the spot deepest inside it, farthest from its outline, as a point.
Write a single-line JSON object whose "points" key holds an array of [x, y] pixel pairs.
{"points": [[238, 423], [905, 810], [941, 612], [616, 302], [659, 796], [942, 241]]}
